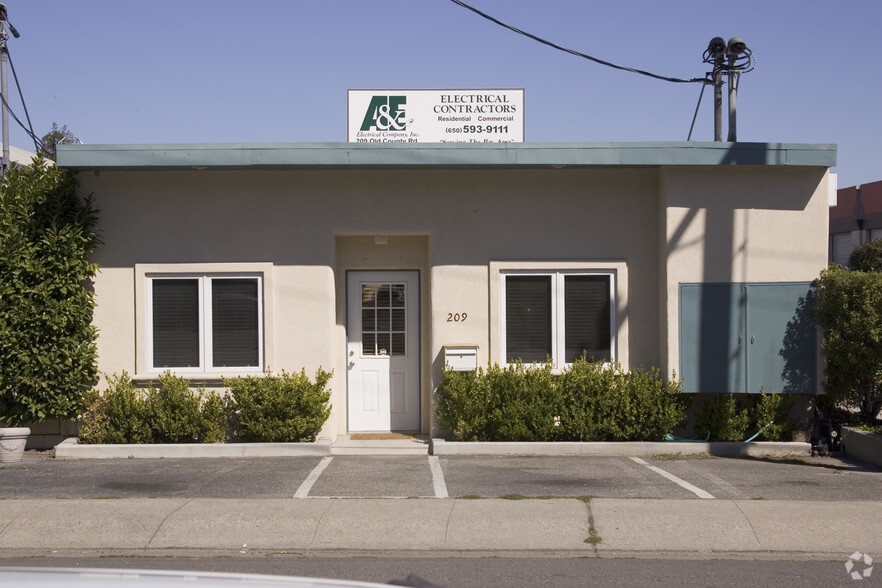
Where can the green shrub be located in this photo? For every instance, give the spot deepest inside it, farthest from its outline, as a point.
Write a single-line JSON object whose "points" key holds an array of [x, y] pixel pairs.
{"points": [[585, 416], [118, 415], [47, 341], [587, 402], [462, 403], [524, 403], [285, 407], [867, 257], [848, 308], [177, 413], [772, 408], [719, 416], [515, 403], [603, 403], [172, 413], [215, 417]]}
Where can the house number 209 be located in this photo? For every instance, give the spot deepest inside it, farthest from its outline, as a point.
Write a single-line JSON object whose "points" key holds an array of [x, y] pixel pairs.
{"points": [[457, 317]]}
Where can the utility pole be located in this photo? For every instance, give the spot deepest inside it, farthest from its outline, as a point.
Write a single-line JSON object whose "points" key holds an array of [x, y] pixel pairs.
{"points": [[716, 48], [4, 89], [740, 60], [735, 48]]}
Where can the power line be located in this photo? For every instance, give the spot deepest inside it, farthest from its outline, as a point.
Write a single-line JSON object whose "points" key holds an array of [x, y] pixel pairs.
{"points": [[574, 52], [30, 133], [38, 145]]}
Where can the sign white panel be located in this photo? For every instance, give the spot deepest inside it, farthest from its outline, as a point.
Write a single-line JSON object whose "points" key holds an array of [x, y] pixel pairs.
{"points": [[436, 116]]}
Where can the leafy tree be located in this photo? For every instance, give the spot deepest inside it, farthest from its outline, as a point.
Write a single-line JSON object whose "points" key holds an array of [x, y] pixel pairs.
{"points": [[867, 257], [47, 341], [849, 310], [54, 138]]}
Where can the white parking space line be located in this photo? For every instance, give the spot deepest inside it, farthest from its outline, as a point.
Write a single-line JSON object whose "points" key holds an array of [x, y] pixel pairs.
{"points": [[437, 477], [311, 479], [683, 483]]}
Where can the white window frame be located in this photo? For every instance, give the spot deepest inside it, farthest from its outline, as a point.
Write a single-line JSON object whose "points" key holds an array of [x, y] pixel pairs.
{"points": [[204, 280], [558, 318], [619, 268]]}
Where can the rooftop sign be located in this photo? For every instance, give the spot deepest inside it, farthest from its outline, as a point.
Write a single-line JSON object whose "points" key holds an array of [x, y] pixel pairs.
{"points": [[436, 116]]}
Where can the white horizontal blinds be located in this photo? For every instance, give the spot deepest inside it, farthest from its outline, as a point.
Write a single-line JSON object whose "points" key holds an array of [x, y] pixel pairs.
{"points": [[527, 318], [235, 339], [383, 325], [175, 323], [587, 328]]}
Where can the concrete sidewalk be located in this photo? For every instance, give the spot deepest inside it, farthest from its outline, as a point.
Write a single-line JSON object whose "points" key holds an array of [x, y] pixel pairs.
{"points": [[621, 527]]}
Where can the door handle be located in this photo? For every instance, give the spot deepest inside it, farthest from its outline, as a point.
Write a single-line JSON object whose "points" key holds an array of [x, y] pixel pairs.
{"points": [[351, 364]]}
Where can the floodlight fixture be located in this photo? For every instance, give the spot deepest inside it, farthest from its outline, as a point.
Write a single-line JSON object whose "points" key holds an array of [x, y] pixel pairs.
{"points": [[736, 46]]}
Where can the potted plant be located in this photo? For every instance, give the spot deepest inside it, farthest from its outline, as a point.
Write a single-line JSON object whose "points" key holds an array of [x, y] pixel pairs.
{"points": [[47, 341], [12, 443]]}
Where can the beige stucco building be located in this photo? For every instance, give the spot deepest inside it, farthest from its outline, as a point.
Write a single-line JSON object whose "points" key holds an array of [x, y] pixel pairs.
{"points": [[223, 260]]}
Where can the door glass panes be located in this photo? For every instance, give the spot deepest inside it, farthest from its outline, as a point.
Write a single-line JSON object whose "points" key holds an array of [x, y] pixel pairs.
{"points": [[383, 325]]}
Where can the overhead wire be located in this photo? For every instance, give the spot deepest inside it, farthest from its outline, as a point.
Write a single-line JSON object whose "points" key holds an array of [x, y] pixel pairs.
{"points": [[38, 144], [697, 106], [573, 51]]}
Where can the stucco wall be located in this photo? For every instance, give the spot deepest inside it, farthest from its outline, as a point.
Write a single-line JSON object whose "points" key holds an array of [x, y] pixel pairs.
{"points": [[306, 228], [739, 224]]}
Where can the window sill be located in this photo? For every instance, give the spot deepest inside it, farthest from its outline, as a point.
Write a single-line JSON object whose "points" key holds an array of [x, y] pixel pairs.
{"points": [[196, 379]]}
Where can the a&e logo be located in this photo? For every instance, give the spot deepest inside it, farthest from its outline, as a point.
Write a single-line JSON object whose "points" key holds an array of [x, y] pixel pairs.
{"points": [[854, 562], [385, 113]]}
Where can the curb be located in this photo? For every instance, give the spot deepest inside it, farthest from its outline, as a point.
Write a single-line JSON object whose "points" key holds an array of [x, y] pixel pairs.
{"points": [[622, 448], [72, 449], [862, 445]]}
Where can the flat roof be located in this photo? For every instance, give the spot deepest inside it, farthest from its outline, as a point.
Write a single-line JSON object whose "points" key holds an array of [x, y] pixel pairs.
{"points": [[439, 155]]}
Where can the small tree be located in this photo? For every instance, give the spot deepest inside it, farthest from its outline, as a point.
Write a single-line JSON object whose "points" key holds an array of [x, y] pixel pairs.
{"points": [[867, 257], [55, 137], [47, 341], [849, 311]]}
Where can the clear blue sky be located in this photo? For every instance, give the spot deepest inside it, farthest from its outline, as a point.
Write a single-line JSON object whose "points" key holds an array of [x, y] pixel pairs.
{"points": [[196, 71]]}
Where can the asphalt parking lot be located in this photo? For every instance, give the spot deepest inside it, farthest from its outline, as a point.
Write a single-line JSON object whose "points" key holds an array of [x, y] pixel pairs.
{"points": [[818, 479]]}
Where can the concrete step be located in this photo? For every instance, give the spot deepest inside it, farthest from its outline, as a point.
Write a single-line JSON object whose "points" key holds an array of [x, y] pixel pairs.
{"points": [[380, 444]]}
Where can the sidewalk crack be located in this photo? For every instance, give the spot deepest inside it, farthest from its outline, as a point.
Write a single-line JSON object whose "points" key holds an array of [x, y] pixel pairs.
{"points": [[6, 526], [749, 522], [449, 518], [318, 523], [593, 538], [163, 521]]}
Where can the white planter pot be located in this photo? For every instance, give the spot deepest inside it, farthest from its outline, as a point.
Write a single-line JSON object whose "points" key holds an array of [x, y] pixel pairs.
{"points": [[12, 443]]}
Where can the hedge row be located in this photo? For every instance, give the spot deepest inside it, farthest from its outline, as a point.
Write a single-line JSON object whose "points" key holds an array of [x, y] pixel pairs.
{"points": [[587, 402], [274, 408], [595, 402]]}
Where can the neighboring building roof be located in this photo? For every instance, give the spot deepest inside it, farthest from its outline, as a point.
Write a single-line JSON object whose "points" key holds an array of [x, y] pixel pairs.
{"points": [[441, 155], [21, 156]]}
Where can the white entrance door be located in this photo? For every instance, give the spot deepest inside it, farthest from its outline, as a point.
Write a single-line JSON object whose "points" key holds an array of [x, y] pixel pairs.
{"points": [[383, 348]]}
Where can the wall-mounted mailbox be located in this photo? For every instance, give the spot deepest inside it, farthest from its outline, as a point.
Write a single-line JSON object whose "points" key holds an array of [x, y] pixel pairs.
{"points": [[461, 358]]}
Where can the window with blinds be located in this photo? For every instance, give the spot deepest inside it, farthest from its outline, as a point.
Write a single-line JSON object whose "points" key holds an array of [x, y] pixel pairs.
{"points": [[559, 316], [176, 323], [234, 323], [205, 323], [528, 318]]}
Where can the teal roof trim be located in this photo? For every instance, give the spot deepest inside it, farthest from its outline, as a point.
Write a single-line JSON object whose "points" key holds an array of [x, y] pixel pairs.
{"points": [[440, 155]]}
